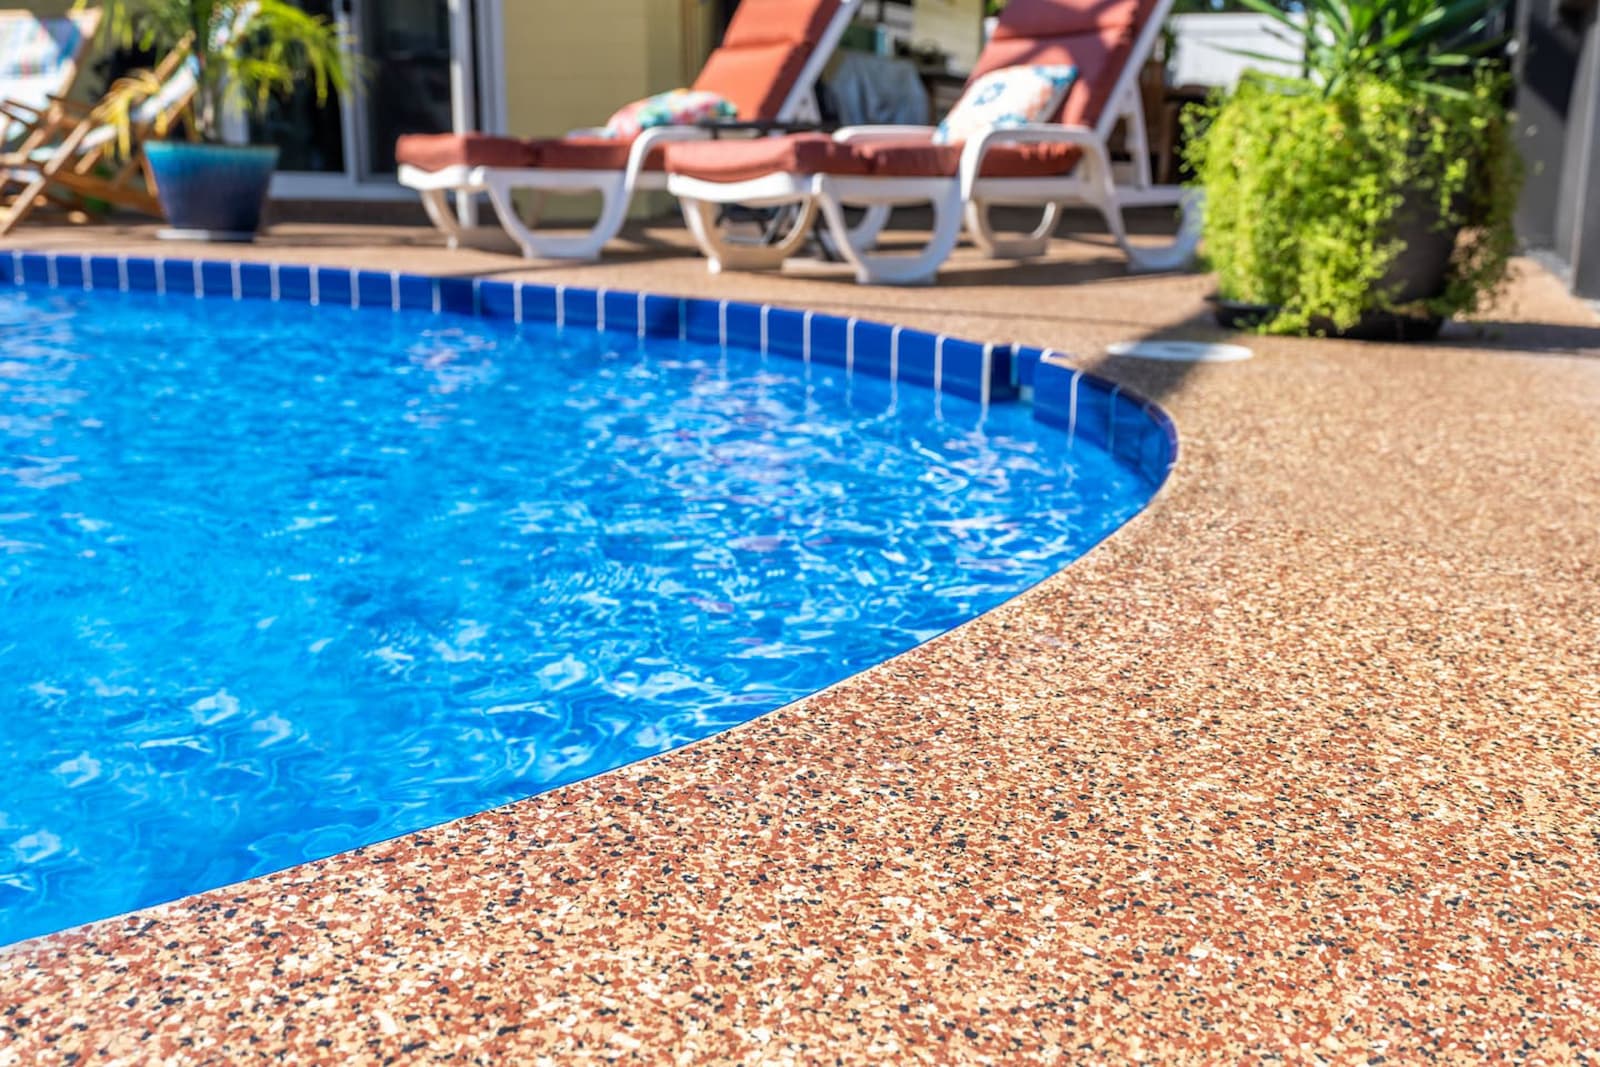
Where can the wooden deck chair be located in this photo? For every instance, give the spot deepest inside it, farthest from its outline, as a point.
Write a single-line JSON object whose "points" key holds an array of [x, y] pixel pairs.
{"points": [[767, 65], [39, 60], [1044, 165], [71, 157]]}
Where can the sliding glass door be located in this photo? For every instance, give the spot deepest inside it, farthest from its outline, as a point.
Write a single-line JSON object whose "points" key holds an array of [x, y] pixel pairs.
{"points": [[407, 46], [421, 75]]}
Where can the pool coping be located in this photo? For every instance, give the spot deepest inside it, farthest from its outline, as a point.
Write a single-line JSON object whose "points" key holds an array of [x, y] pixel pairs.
{"points": [[1136, 432]]}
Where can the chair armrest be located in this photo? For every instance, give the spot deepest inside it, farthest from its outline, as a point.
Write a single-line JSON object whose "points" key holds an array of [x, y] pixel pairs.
{"points": [[1093, 145], [868, 134], [648, 139], [656, 134]]}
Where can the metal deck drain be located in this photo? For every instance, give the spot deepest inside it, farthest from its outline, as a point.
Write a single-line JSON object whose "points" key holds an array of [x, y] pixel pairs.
{"points": [[1180, 351]]}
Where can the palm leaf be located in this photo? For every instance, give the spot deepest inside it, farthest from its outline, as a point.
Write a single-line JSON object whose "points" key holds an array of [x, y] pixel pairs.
{"points": [[248, 52]]}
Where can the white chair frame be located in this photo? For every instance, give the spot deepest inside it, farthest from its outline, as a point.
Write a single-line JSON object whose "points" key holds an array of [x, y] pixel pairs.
{"points": [[1095, 182], [616, 187]]}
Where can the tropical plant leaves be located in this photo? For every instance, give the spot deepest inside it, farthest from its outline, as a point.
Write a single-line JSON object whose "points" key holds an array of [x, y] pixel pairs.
{"points": [[247, 53], [1422, 44]]}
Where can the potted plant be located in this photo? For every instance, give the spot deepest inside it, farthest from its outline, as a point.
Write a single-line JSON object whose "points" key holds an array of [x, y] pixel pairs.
{"points": [[1372, 196], [242, 55]]}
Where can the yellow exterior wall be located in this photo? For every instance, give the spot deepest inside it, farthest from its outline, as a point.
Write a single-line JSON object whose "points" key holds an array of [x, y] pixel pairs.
{"points": [[572, 65]]}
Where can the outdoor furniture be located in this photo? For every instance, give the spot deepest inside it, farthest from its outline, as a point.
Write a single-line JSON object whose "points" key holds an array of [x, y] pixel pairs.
{"points": [[1043, 165], [767, 65], [39, 61], [72, 156]]}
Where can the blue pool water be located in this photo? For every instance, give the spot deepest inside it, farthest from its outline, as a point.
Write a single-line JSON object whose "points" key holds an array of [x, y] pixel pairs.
{"points": [[277, 582]]}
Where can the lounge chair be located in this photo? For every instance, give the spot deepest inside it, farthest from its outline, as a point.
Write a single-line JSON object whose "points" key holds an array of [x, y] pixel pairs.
{"points": [[39, 61], [767, 65], [1045, 165], [73, 156]]}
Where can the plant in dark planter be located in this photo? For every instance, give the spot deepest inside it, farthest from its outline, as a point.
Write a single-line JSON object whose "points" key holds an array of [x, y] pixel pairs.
{"points": [[1373, 196], [242, 55]]}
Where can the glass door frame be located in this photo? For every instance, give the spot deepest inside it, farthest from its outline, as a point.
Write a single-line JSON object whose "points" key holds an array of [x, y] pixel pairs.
{"points": [[477, 102]]}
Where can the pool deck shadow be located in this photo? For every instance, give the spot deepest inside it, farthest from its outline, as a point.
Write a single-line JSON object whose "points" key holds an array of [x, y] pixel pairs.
{"points": [[1299, 765]]}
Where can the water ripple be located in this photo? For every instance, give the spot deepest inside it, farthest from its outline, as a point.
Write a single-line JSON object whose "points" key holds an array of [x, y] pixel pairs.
{"points": [[276, 583]]}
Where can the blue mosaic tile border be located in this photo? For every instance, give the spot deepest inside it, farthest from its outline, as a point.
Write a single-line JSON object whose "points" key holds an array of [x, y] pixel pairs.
{"points": [[1097, 410], [1100, 412]]}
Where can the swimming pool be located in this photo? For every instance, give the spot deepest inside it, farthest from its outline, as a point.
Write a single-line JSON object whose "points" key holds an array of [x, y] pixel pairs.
{"points": [[276, 581]]}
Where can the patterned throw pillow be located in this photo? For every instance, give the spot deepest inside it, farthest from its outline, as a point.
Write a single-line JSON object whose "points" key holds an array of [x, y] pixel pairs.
{"points": [[676, 107], [1010, 96]]}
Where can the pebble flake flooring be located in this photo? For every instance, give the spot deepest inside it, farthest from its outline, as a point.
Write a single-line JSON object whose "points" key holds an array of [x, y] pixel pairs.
{"points": [[1302, 766]]}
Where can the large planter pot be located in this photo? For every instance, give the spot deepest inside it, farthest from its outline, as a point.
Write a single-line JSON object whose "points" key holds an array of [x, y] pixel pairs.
{"points": [[211, 192], [1372, 326]]}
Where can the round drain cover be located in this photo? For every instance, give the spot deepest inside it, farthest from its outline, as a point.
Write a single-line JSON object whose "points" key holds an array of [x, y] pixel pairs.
{"points": [[1180, 351]]}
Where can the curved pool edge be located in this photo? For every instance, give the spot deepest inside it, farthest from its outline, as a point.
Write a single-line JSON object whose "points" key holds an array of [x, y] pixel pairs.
{"points": [[1105, 414]]}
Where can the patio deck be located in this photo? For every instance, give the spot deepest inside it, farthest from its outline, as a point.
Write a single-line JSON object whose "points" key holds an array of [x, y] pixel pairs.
{"points": [[1302, 765]]}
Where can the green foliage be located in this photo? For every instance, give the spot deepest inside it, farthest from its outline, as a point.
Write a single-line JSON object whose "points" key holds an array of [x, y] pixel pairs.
{"points": [[1422, 44], [1303, 184], [246, 52]]}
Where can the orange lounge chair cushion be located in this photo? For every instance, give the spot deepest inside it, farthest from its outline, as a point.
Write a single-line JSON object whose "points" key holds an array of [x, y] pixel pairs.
{"points": [[919, 159], [755, 78], [587, 153], [771, 21], [744, 160], [436, 151], [1096, 36], [765, 48], [815, 153]]}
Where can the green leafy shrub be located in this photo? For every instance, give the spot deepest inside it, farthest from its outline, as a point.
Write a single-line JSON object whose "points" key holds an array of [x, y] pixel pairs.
{"points": [[1310, 182], [1302, 189]]}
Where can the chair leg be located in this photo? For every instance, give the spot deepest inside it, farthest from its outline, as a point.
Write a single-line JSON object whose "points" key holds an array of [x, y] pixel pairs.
{"points": [[996, 246], [920, 268], [866, 232], [615, 196], [22, 204], [863, 236], [1177, 255], [701, 216], [436, 203]]}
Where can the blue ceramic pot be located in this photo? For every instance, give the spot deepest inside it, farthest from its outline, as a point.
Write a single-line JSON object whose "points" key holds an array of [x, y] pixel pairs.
{"points": [[211, 192]]}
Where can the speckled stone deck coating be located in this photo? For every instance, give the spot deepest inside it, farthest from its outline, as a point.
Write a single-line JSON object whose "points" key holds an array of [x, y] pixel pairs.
{"points": [[1302, 765]]}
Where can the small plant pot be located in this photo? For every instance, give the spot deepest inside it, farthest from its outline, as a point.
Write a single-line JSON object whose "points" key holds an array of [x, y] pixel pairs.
{"points": [[211, 192]]}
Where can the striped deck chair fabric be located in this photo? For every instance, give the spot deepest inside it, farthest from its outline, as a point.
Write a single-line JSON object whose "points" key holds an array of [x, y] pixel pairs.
{"points": [[38, 59]]}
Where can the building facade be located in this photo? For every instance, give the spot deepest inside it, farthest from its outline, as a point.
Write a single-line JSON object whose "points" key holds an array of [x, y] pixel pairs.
{"points": [[519, 66]]}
